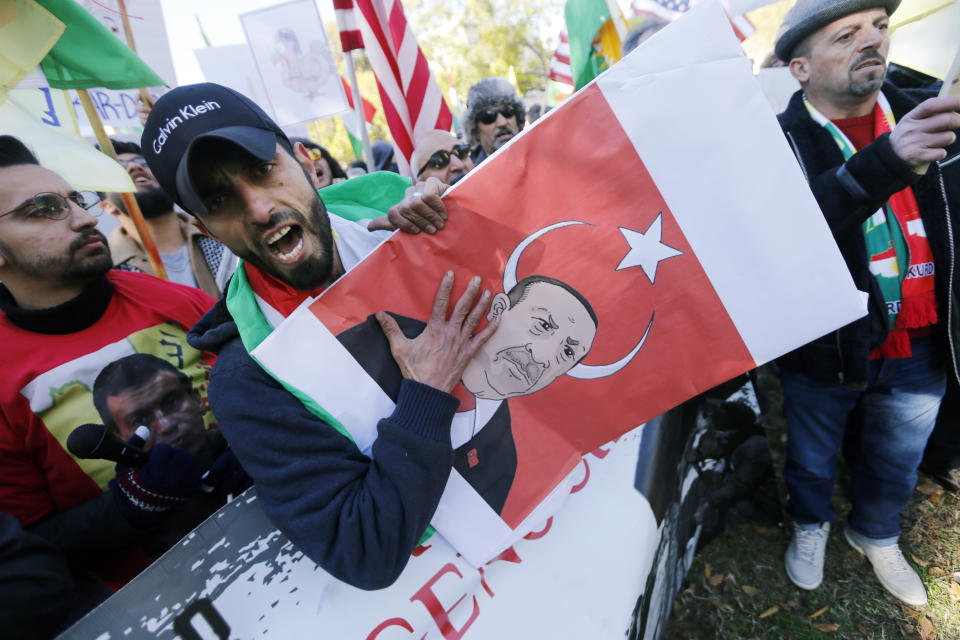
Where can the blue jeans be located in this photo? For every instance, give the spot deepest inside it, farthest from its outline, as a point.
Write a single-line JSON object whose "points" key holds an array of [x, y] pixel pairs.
{"points": [[900, 408]]}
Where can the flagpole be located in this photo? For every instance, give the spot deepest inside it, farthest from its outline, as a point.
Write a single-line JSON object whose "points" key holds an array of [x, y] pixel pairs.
{"points": [[358, 107], [122, 7], [129, 201]]}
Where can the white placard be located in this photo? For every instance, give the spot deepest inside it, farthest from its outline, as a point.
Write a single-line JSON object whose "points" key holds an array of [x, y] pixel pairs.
{"points": [[291, 52]]}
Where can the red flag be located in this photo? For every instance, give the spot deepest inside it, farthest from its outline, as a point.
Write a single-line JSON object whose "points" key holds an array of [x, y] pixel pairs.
{"points": [[620, 201], [412, 101], [663, 265], [368, 109]]}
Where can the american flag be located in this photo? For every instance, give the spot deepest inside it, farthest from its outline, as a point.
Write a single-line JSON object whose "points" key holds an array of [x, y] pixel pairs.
{"points": [[665, 10], [412, 101], [560, 63], [668, 10]]}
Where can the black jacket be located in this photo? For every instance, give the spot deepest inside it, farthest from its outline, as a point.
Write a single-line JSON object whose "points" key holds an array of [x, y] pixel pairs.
{"points": [[848, 193]]}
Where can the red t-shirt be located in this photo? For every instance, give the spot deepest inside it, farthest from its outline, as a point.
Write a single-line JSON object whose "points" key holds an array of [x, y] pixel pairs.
{"points": [[46, 389]]}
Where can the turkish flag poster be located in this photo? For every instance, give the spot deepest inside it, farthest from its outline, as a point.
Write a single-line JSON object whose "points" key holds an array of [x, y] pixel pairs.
{"points": [[636, 260]]}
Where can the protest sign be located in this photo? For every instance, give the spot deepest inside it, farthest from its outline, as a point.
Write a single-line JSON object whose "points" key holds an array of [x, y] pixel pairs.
{"points": [[296, 65], [923, 35], [56, 144], [667, 271], [118, 108], [233, 66], [607, 567]]}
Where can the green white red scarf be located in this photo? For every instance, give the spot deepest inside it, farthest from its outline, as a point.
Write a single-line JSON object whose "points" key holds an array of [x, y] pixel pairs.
{"points": [[899, 254], [249, 283]]}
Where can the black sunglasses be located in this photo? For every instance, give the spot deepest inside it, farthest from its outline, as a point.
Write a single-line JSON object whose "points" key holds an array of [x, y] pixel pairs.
{"points": [[56, 207], [440, 159], [488, 116]]}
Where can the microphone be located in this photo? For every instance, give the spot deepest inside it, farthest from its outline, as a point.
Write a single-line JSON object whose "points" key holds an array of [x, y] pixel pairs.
{"points": [[96, 441]]}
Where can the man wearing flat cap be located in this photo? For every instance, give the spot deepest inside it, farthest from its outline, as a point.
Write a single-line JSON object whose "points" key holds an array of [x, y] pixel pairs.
{"points": [[883, 164]]}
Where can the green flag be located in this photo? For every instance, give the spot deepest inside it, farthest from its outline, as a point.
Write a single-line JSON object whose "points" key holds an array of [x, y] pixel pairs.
{"points": [[88, 55], [365, 197], [594, 43]]}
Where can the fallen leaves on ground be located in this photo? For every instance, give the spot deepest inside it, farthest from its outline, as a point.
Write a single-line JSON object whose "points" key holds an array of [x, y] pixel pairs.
{"points": [[936, 572], [715, 579], [721, 604], [910, 612], [918, 561], [954, 590], [928, 487], [826, 627], [706, 569], [769, 612], [750, 591], [765, 531], [819, 612], [927, 630]]}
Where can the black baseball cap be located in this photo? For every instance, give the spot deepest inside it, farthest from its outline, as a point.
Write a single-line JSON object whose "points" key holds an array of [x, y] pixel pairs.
{"points": [[193, 112]]}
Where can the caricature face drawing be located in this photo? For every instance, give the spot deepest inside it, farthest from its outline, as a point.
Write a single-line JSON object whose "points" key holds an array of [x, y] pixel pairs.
{"points": [[302, 71], [546, 328]]}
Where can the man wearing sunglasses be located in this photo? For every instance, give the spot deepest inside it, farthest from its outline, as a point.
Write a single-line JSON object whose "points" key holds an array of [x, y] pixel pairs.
{"points": [[494, 115], [440, 155], [64, 316]]}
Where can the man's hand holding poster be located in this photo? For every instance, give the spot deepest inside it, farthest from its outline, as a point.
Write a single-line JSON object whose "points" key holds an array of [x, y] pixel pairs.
{"points": [[646, 241]]}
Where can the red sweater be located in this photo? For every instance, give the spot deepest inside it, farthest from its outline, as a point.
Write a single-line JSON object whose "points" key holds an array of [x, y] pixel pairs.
{"points": [[48, 374]]}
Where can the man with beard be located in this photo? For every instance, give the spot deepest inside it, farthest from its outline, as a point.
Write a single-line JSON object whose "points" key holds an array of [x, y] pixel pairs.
{"points": [[546, 327], [359, 517], [494, 115], [64, 316], [440, 155], [189, 257], [882, 163]]}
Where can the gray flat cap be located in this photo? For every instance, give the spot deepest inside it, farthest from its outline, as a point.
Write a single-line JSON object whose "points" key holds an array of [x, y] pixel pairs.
{"points": [[808, 16]]}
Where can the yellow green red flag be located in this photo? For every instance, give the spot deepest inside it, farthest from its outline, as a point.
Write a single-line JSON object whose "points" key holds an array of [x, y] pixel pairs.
{"points": [[594, 41]]}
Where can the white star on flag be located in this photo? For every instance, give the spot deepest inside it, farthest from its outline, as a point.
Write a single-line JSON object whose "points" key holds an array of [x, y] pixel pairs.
{"points": [[646, 250]]}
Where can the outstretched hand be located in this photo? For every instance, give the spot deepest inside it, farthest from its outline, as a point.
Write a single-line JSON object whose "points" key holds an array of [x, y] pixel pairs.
{"points": [[421, 210], [438, 356], [922, 135]]}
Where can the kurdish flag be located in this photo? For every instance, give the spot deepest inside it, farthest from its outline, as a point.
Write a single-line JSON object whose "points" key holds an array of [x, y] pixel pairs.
{"points": [[88, 55], [594, 42], [674, 241]]}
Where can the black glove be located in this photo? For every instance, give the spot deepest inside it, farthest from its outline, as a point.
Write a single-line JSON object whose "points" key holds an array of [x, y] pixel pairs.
{"points": [[226, 475], [170, 477]]}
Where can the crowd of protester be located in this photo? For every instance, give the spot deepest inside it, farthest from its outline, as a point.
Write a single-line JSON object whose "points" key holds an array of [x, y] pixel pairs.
{"points": [[236, 210]]}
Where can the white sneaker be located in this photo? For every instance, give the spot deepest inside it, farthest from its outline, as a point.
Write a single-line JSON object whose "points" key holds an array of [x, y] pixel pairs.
{"points": [[804, 558], [891, 568]]}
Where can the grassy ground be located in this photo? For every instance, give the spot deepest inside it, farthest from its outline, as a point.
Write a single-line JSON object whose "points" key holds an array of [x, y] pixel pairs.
{"points": [[737, 587]]}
